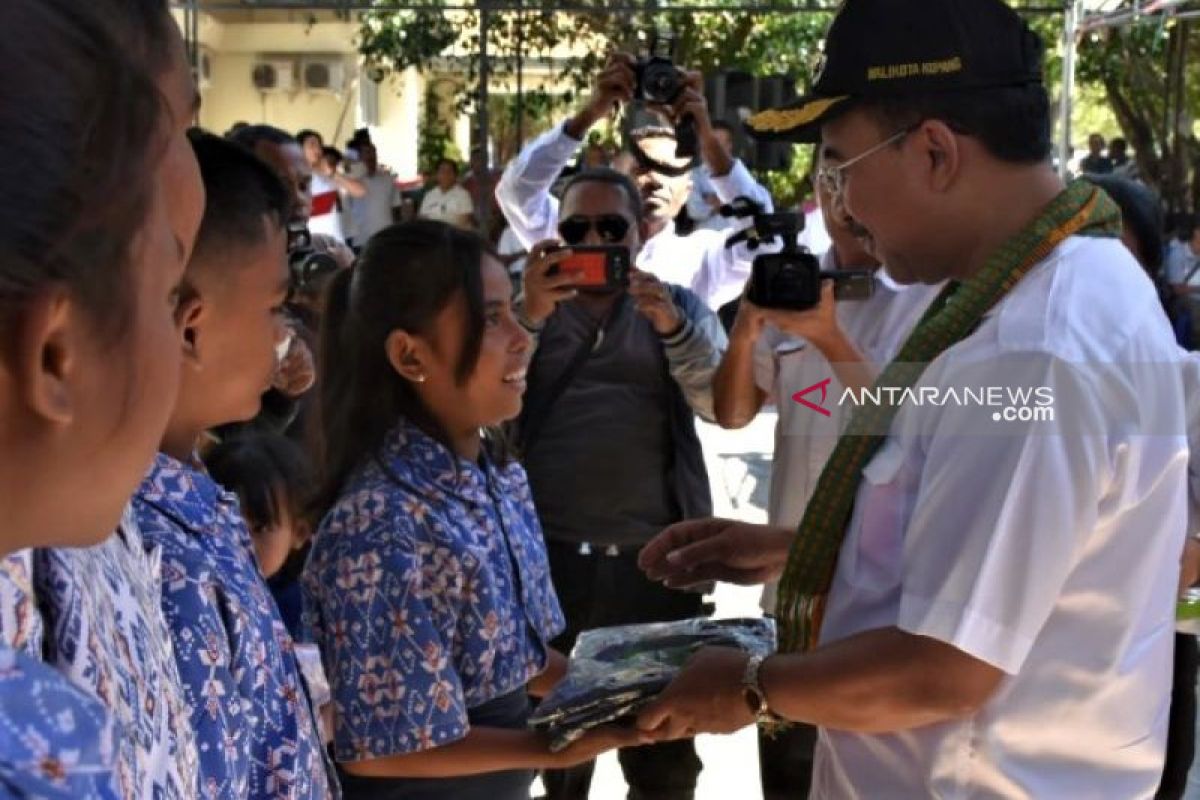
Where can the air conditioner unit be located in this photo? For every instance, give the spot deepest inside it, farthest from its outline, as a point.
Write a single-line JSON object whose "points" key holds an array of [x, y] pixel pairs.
{"points": [[275, 75], [326, 74]]}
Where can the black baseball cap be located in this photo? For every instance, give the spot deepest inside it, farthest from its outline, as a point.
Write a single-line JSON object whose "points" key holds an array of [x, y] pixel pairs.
{"points": [[889, 48]]}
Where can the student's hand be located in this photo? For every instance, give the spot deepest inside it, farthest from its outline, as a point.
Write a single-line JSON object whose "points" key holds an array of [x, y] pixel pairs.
{"points": [[652, 298], [600, 740], [543, 292], [705, 697], [555, 671], [818, 325], [696, 552]]}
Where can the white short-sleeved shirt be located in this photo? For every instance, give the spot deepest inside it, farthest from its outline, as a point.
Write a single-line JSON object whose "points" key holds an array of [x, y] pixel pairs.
{"points": [[1054, 558], [447, 206], [785, 365], [326, 216]]}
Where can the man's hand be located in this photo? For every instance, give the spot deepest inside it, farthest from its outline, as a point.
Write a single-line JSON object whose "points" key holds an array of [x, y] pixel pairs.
{"points": [[705, 697], [653, 300], [612, 88], [690, 103], [543, 292], [597, 741], [297, 371], [818, 325], [696, 552], [748, 324]]}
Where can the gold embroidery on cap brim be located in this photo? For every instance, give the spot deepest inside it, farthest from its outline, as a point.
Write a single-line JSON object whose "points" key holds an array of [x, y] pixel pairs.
{"points": [[774, 120]]}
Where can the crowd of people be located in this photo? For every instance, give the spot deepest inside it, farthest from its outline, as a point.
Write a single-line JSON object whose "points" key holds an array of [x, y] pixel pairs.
{"points": [[305, 499]]}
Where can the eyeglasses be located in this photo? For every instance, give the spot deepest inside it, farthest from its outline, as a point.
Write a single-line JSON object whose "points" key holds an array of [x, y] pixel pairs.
{"points": [[832, 179], [612, 228]]}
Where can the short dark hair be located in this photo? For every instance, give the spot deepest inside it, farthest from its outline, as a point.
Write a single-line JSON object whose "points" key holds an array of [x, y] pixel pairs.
{"points": [[80, 119], [613, 178], [453, 164], [241, 190], [1142, 212], [722, 125], [1012, 122], [404, 278], [260, 467], [249, 136], [307, 134]]}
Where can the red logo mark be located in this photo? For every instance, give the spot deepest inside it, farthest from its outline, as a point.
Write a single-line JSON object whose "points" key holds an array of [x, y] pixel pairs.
{"points": [[824, 387]]}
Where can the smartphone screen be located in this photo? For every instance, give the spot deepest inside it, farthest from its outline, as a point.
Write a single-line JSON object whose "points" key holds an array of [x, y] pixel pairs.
{"points": [[593, 265]]}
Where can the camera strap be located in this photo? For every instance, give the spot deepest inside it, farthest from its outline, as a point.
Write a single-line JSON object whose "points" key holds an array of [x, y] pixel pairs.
{"points": [[533, 414]]}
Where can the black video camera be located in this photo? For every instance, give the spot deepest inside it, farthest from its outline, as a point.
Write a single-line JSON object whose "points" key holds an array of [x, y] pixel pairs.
{"points": [[660, 82], [790, 279], [306, 266]]}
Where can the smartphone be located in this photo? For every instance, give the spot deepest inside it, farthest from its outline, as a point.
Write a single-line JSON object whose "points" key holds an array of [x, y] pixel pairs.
{"points": [[603, 266]]}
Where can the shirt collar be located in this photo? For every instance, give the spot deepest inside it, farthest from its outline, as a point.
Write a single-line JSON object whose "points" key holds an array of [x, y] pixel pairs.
{"points": [[411, 455], [183, 491]]}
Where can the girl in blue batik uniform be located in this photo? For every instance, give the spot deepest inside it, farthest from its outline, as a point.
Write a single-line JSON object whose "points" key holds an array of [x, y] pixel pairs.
{"points": [[428, 589], [91, 252]]}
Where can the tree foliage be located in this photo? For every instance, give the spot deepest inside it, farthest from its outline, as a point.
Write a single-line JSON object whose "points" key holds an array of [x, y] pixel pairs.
{"points": [[1134, 69]]}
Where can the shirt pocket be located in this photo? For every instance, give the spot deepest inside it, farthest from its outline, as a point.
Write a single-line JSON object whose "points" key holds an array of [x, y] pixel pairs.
{"points": [[885, 504]]}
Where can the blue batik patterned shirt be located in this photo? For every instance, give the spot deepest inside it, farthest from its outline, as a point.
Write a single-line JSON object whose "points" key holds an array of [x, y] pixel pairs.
{"points": [[428, 591], [96, 615], [255, 729], [56, 742]]}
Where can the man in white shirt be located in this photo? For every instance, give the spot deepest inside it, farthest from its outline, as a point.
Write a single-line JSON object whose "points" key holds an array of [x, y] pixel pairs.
{"points": [[446, 201], [327, 187], [380, 206], [993, 614], [699, 261], [774, 355]]}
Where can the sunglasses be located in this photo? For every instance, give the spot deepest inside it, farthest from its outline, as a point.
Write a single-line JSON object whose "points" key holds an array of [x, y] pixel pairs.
{"points": [[612, 228]]}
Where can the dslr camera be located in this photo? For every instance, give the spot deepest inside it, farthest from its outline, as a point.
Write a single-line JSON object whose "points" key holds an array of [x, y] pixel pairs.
{"points": [[660, 82], [306, 266], [791, 278]]}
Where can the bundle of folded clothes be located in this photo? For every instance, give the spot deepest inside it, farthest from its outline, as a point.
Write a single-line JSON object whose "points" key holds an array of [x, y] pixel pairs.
{"points": [[615, 671]]}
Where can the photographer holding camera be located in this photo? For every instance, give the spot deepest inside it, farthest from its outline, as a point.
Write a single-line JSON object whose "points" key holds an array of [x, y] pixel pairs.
{"points": [[774, 354], [699, 261], [608, 438]]}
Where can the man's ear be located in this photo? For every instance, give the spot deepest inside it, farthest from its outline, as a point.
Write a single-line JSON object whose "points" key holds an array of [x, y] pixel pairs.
{"points": [[190, 316], [49, 345], [943, 152], [408, 355]]}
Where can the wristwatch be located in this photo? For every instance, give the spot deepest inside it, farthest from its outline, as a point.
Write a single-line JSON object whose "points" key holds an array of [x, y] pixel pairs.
{"points": [[755, 697]]}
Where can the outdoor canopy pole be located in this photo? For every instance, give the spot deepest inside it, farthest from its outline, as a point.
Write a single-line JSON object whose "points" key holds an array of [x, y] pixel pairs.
{"points": [[1070, 45]]}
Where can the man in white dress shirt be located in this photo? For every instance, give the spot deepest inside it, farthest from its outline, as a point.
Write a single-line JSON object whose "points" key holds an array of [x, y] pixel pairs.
{"points": [[997, 613], [775, 354], [699, 261]]}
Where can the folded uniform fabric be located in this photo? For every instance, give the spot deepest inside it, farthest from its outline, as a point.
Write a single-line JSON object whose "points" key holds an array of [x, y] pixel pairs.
{"points": [[615, 671]]}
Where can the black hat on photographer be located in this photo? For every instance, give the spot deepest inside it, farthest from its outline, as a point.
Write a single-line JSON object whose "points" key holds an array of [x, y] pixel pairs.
{"points": [[890, 48]]}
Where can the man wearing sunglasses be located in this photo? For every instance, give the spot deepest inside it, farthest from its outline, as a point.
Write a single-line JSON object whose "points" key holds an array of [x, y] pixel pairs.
{"points": [[977, 602], [608, 439], [699, 261]]}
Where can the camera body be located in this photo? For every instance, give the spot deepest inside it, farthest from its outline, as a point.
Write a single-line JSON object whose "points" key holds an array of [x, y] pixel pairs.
{"points": [[790, 279], [660, 82], [306, 266], [604, 267]]}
